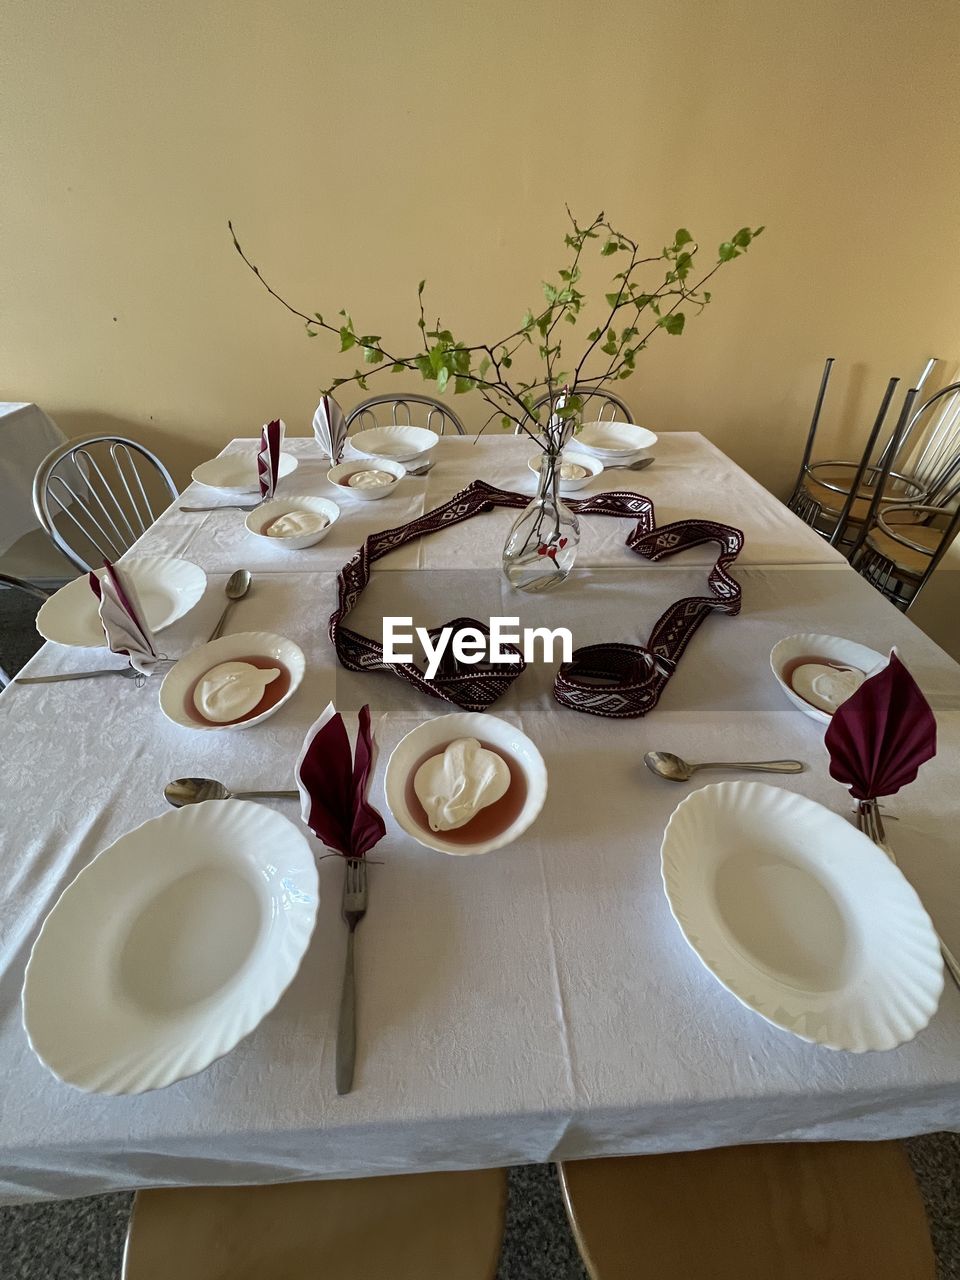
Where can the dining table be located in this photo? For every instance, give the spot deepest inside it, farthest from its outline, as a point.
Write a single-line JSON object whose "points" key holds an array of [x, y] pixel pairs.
{"points": [[533, 1004]]}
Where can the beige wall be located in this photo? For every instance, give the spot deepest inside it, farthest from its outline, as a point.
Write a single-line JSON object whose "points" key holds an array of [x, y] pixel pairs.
{"points": [[360, 146]]}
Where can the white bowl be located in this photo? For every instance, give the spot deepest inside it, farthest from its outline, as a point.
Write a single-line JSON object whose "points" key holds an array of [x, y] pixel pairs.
{"points": [[436, 734], [834, 649], [801, 916], [614, 440], [401, 443], [166, 587], [236, 473], [339, 474], [593, 466], [170, 947], [268, 511], [180, 679]]}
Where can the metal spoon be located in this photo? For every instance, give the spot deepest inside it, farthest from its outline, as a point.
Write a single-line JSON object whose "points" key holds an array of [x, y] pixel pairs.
{"points": [[421, 471], [224, 506], [126, 673], [238, 584], [640, 465], [666, 765], [192, 790]]}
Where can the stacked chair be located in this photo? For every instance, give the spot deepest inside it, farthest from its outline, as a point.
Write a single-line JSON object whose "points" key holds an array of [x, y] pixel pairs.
{"points": [[400, 411]]}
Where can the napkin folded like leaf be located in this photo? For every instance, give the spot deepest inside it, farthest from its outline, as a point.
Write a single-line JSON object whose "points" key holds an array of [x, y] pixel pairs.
{"points": [[333, 787], [330, 428], [268, 459], [881, 735], [124, 622]]}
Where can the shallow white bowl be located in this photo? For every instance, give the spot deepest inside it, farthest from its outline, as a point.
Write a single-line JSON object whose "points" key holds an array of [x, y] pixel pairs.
{"points": [[166, 587], [802, 917], [179, 680], [338, 475], [807, 644], [614, 440], [593, 465], [268, 511], [170, 947], [236, 473], [437, 733], [401, 443]]}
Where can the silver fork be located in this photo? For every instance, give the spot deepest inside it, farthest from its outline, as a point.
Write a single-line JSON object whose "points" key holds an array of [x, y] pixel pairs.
{"points": [[871, 824], [354, 909]]}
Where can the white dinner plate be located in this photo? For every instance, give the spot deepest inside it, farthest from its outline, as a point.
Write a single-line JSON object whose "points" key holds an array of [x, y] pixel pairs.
{"points": [[166, 587], [170, 947], [802, 917], [614, 441], [400, 443], [236, 473], [834, 649]]}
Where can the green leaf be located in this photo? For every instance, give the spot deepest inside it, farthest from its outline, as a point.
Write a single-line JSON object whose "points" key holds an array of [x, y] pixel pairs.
{"points": [[371, 355], [743, 237], [728, 251], [506, 360], [527, 319], [361, 381], [682, 237], [484, 366], [368, 339], [673, 323], [319, 316], [610, 247], [613, 298], [311, 333], [443, 377], [569, 317], [505, 424], [347, 339], [397, 368], [420, 288]]}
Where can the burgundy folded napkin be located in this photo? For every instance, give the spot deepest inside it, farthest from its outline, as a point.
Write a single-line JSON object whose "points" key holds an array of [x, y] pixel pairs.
{"points": [[330, 428], [268, 459], [124, 623], [881, 735], [333, 786]]}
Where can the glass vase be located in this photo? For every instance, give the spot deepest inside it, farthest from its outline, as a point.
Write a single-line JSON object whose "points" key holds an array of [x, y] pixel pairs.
{"points": [[542, 544]]}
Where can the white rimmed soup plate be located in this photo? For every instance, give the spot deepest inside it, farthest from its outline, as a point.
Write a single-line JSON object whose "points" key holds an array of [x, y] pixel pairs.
{"points": [[801, 917], [166, 587], [432, 737], [236, 473], [261, 516], [398, 442], [614, 441], [592, 467], [170, 947], [176, 692], [341, 473], [834, 649]]}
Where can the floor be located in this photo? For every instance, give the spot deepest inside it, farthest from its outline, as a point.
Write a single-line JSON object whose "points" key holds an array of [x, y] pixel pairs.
{"points": [[83, 1239]]}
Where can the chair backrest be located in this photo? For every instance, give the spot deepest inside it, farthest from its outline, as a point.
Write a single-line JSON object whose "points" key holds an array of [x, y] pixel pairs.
{"points": [[371, 413], [607, 406], [7, 583], [931, 449], [96, 496]]}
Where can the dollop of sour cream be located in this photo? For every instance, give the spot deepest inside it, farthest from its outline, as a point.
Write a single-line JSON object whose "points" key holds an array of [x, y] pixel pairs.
{"points": [[296, 523], [825, 687], [454, 785], [371, 480], [231, 690], [572, 471]]}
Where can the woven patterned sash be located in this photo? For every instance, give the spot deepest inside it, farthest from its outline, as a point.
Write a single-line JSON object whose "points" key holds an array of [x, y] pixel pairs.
{"points": [[618, 679]]}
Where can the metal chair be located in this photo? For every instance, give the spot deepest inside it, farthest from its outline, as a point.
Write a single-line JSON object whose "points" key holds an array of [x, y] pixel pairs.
{"points": [[794, 1211], [608, 407], [438, 414], [401, 1227], [900, 552], [101, 491], [9, 583], [832, 496]]}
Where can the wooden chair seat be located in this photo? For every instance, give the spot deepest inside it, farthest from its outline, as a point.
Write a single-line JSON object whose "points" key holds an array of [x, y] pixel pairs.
{"points": [[798, 1211], [408, 1227], [907, 559]]}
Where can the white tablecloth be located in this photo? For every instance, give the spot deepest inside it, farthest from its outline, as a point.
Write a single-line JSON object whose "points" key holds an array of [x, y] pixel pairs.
{"points": [[534, 1003], [26, 437]]}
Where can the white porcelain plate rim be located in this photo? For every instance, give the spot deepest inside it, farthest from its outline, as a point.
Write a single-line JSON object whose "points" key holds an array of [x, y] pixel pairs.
{"points": [[625, 439], [83, 1020], [71, 617], [419, 442], [835, 648], [438, 732], [237, 644], [241, 472], [892, 973]]}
